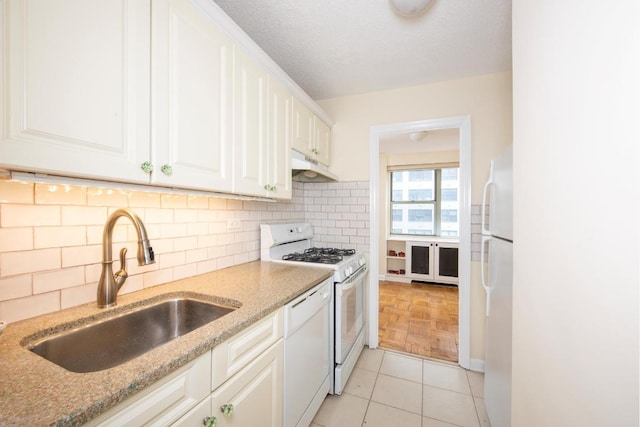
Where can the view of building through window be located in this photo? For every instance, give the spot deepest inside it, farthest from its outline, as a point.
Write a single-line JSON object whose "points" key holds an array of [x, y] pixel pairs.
{"points": [[425, 202]]}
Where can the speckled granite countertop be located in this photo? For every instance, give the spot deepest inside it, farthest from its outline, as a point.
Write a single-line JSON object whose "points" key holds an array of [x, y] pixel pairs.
{"points": [[36, 392]]}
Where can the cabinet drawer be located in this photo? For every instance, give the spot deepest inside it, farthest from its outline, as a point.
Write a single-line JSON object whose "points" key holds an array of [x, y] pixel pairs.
{"points": [[166, 400], [233, 354]]}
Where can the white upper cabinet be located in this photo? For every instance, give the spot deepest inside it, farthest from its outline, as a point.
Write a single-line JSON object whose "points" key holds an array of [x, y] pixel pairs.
{"points": [[311, 136], [322, 141], [163, 92], [303, 129], [192, 90], [76, 76], [262, 132], [279, 136]]}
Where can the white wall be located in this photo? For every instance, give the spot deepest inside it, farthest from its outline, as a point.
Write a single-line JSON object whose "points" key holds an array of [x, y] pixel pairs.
{"points": [[487, 99], [576, 259]]}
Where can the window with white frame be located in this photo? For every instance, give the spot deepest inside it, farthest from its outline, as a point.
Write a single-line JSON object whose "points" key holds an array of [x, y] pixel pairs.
{"points": [[424, 201]]}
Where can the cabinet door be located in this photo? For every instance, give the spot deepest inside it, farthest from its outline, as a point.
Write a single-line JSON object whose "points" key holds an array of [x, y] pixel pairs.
{"points": [[323, 142], [303, 129], [250, 145], [446, 261], [192, 92], [420, 256], [280, 130], [77, 87], [255, 393]]}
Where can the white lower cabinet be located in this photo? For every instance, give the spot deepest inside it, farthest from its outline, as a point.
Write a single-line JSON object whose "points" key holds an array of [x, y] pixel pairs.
{"points": [[238, 383], [252, 397], [164, 402]]}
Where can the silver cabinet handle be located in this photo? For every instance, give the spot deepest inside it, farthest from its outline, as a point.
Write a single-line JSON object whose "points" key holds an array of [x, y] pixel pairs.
{"points": [[166, 169], [147, 167]]}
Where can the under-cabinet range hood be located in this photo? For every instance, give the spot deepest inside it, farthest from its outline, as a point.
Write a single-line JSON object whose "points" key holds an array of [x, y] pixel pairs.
{"points": [[308, 170]]}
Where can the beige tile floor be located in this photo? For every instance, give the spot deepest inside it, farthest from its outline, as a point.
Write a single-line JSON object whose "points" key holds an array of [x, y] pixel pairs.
{"points": [[393, 389]]}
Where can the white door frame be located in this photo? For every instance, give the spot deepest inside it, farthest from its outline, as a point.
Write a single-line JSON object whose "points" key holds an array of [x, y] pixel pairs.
{"points": [[463, 124]]}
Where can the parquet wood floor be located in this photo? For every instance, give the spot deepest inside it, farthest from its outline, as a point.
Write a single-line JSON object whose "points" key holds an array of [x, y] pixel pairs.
{"points": [[419, 319]]}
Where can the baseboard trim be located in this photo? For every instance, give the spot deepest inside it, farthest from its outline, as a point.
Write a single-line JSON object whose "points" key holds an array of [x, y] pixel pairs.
{"points": [[476, 365]]}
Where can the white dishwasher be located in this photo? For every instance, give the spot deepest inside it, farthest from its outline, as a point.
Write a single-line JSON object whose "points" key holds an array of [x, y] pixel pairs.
{"points": [[307, 338]]}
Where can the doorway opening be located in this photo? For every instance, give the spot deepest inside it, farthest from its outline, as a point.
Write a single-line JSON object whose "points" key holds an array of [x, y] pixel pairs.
{"points": [[430, 319]]}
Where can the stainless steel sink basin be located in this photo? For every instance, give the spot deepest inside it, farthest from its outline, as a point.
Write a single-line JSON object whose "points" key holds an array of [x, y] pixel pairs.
{"points": [[115, 340]]}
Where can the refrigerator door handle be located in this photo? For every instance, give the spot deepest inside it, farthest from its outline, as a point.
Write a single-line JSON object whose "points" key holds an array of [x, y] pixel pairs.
{"points": [[485, 191], [484, 281]]}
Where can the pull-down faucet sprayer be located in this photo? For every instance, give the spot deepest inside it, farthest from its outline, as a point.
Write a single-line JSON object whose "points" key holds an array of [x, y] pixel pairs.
{"points": [[110, 283]]}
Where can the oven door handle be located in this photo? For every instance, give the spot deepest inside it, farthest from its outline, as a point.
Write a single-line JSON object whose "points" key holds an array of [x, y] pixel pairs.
{"points": [[351, 281]]}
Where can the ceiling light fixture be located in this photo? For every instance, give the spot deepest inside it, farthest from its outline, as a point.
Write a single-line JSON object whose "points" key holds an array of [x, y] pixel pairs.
{"points": [[410, 8]]}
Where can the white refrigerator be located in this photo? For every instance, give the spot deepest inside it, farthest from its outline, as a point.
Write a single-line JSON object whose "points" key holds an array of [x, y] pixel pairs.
{"points": [[497, 249]]}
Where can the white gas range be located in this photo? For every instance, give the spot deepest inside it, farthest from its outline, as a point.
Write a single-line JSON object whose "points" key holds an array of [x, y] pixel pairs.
{"points": [[293, 244]]}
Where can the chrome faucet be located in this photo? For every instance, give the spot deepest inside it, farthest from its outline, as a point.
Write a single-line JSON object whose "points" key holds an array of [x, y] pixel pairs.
{"points": [[110, 283]]}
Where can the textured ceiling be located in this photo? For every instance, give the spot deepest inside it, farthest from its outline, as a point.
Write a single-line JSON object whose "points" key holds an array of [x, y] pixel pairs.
{"points": [[333, 48]]}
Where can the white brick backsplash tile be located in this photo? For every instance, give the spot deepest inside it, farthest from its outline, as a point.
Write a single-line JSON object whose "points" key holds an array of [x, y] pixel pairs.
{"points": [[83, 255], [226, 261], [157, 216], [217, 203], [84, 215], [16, 239], [15, 287], [23, 308], [77, 295], [107, 197], [233, 249], [207, 266], [185, 243], [158, 277], [16, 192], [170, 260], [134, 283], [197, 229], [197, 202], [208, 215], [218, 227], [234, 205], [173, 230], [188, 233], [52, 237], [28, 215], [94, 233], [92, 272], [160, 246], [215, 252], [58, 279], [240, 258], [173, 201], [52, 194], [184, 271], [196, 255], [226, 238], [143, 199], [185, 215], [13, 263]]}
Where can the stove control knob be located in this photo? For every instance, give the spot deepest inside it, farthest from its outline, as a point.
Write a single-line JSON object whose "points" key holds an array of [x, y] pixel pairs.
{"points": [[299, 230], [349, 271]]}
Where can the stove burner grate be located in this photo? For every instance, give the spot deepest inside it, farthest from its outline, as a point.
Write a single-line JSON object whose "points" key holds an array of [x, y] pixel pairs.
{"points": [[320, 255]]}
